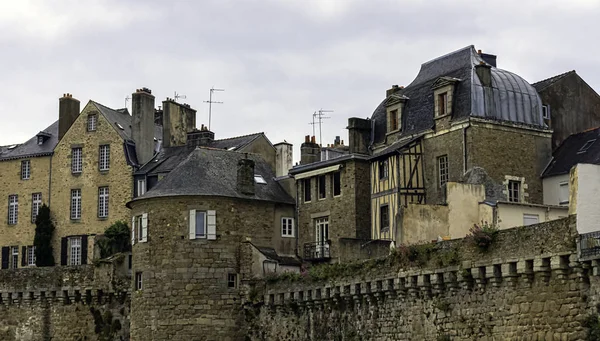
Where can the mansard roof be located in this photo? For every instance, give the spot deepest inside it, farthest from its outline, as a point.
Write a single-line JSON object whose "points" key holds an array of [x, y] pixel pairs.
{"points": [[31, 148], [511, 98]]}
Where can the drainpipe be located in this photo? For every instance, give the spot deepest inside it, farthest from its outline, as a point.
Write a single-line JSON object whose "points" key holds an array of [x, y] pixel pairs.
{"points": [[464, 141], [50, 181], [297, 219]]}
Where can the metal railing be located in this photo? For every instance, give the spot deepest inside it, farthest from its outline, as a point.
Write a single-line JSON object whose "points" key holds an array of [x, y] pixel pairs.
{"points": [[317, 251], [589, 244]]}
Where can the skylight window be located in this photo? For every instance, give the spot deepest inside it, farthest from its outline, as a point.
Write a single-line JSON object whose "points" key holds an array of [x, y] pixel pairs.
{"points": [[259, 179], [120, 126], [231, 148], [12, 147], [586, 146]]}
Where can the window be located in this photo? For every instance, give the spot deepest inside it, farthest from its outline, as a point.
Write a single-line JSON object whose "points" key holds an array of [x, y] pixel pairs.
{"points": [[140, 226], [563, 193], [141, 187], [40, 140], [92, 120], [104, 157], [337, 183], [75, 251], [322, 191], [443, 169], [586, 146], [75, 204], [200, 224], [530, 219], [232, 281], [76, 160], [13, 209], [259, 179], [514, 191], [36, 203], [103, 202], [442, 104], [384, 217], [14, 257], [287, 227], [307, 190], [546, 111], [393, 120], [30, 250], [383, 169], [138, 281], [203, 224], [25, 169]]}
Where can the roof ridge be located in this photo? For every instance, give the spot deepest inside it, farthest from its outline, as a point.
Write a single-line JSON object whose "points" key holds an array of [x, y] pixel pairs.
{"points": [[554, 77], [237, 137], [104, 106], [449, 53], [224, 150]]}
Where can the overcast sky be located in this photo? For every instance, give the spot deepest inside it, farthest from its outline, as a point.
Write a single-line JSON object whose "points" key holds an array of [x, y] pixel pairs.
{"points": [[278, 61]]}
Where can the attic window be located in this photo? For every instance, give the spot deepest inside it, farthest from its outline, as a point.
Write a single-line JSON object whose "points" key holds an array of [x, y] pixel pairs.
{"points": [[259, 179], [120, 126], [231, 148], [586, 146], [12, 147], [40, 140], [546, 112]]}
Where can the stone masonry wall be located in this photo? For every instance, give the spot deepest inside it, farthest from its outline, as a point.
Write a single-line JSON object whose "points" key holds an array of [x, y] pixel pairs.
{"points": [[61, 303], [529, 285]]}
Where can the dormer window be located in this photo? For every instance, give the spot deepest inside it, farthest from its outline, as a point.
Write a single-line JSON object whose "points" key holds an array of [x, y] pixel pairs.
{"points": [[92, 122], [546, 112], [394, 105], [443, 88], [393, 120], [442, 104], [40, 140]]}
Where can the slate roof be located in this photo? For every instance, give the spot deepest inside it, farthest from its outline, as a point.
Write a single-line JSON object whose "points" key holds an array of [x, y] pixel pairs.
{"points": [[31, 147], [270, 253], [569, 153], [541, 85], [213, 172], [168, 158], [512, 99], [119, 118]]}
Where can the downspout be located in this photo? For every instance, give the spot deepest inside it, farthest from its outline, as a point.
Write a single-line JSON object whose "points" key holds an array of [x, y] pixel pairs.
{"points": [[50, 180], [296, 218], [464, 142]]}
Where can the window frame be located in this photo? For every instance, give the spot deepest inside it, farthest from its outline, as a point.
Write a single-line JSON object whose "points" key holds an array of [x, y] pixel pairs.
{"points": [[586, 146], [443, 172], [103, 201], [104, 158], [75, 250], [394, 126], [92, 122], [36, 203], [205, 221], [322, 187], [76, 200], [531, 216], [442, 104], [545, 111], [511, 190], [232, 281], [338, 175], [30, 254], [560, 186], [383, 169], [287, 227], [139, 281], [307, 194], [141, 184], [384, 208], [26, 170], [76, 160], [259, 179], [13, 209]]}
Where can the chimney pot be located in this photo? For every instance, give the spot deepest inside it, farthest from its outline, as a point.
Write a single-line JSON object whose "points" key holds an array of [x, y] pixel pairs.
{"points": [[313, 140], [307, 139], [478, 51]]}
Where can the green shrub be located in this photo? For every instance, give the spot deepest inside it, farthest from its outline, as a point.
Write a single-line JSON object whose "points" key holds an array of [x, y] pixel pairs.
{"points": [[116, 239], [482, 235], [44, 230]]}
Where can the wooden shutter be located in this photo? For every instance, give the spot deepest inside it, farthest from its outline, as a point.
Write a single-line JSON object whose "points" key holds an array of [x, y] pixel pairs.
{"points": [[64, 244], [23, 255], [132, 230], [211, 225], [84, 249], [5, 251], [192, 224], [144, 227]]}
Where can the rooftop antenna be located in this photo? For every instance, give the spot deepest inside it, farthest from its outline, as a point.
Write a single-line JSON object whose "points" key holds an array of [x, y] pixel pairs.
{"points": [[320, 115], [177, 96], [127, 100], [210, 102]]}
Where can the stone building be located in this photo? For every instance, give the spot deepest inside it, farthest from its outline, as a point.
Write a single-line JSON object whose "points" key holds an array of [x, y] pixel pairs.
{"points": [[460, 112], [190, 231], [569, 105]]}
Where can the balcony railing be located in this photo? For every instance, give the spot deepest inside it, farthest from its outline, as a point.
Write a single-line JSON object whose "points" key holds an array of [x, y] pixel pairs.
{"points": [[589, 244], [317, 251]]}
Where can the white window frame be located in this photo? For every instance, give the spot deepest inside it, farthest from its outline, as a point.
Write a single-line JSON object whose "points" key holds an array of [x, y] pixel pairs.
{"points": [[25, 170], [139, 225], [75, 250], [528, 219], [287, 227], [13, 209], [75, 204], [511, 191], [141, 187], [36, 203], [560, 193], [30, 255], [443, 170], [104, 158], [103, 196], [92, 122], [259, 179], [139, 281], [210, 224], [232, 281], [383, 171], [76, 160], [546, 111], [14, 257], [193, 234]]}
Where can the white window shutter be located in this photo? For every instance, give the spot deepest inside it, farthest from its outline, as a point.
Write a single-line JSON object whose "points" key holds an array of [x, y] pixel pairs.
{"points": [[133, 230], [145, 227], [211, 225], [192, 224]]}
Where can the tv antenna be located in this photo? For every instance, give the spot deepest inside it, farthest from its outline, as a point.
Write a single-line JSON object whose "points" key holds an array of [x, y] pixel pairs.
{"points": [[210, 102], [320, 116], [177, 96], [127, 100]]}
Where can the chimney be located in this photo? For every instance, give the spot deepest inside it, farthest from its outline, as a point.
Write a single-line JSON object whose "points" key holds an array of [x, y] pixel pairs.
{"points": [[359, 135], [395, 88], [178, 120], [142, 123], [484, 72], [310, 151], [488, 58], [68, 111], [245, 176], [284, 158], [202, 137], [336, 142]]}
